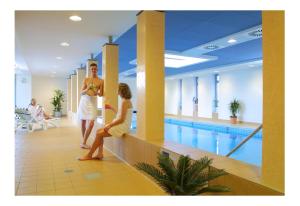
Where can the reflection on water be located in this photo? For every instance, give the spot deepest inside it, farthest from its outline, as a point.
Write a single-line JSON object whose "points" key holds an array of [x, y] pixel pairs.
{"points": [[195, 137], [214, 136], [179, 134]]}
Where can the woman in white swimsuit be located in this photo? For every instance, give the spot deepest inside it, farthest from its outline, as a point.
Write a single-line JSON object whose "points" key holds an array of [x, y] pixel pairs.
{"points": [[119, 126], [87, 109]]}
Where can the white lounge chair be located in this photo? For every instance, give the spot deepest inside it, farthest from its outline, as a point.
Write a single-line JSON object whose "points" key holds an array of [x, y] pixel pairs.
{"points": [[39, 121], [34, 119]]}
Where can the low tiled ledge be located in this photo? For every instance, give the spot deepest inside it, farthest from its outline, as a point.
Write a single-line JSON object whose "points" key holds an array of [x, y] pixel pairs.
{"points": [[242, 178]]}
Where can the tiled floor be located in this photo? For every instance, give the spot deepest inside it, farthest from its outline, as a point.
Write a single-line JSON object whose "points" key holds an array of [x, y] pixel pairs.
{"points": [[46, 164]]}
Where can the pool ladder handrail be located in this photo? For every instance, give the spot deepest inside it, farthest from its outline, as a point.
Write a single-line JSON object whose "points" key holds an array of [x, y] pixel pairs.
{"points": [[245, 140]]}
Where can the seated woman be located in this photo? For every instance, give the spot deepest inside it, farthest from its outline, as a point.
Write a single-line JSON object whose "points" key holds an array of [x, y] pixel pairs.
{"points": [[37, 110], [119, 126]]}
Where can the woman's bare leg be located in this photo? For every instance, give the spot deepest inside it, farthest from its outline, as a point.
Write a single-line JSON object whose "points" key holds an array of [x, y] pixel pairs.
{"points": [[97, 143], [88, 131], [100, 148], [47, 116], [83, 127]]}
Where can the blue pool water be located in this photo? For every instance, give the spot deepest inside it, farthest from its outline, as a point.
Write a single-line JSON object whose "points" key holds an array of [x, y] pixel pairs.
{"points": [[218, 139]]}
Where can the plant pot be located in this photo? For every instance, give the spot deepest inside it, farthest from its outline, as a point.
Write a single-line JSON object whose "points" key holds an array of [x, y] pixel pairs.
{"points": [[57, 114], [233, 120]]}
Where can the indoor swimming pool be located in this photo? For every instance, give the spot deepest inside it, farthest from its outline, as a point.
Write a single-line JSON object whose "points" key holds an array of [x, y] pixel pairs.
{"points": [[215, 138]]}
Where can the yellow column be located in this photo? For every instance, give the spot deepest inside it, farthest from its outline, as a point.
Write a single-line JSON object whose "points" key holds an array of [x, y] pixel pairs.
{"points": [[69, 95], [74, 93], [80, 74], [110, 74], [273, 99], [150, 75], [88, 63]]}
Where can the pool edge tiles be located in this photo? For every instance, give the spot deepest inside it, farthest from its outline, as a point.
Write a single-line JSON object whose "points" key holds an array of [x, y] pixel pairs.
{"points": [[214, 127]]}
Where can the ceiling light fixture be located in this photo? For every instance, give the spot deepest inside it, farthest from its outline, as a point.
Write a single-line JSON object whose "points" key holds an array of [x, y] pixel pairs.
{"points": [[59, 58], [75, 18], [65, 44], [231, 41], [177, 61]]}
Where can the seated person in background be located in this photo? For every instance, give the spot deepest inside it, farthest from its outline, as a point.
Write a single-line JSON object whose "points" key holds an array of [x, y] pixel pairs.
{"points": [[119, 126], [37, 110]]}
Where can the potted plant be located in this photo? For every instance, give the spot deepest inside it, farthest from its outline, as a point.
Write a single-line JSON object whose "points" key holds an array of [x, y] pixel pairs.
{"points": [[57, 102], [186, 178], [234, 107]]}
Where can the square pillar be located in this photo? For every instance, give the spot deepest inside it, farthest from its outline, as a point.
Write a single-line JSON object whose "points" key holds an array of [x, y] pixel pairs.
{"points": [[150, 75], [273, 99], [73, 93], [80, 75], [69, 95], [110, 75]]}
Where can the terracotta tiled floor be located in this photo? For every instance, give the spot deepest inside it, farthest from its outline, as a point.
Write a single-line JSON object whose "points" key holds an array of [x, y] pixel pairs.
{"points": [[46, 164]]}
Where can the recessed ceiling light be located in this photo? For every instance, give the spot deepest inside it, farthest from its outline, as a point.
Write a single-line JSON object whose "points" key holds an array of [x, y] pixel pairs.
{"points": [[231, 40], [211, 47], [59, 58], [75, 18], [256, 33], [65, 44]]}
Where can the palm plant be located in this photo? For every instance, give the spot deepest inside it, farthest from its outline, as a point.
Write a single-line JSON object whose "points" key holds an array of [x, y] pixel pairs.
{"points": [[234, 107], [57, 100], [186, 178]]}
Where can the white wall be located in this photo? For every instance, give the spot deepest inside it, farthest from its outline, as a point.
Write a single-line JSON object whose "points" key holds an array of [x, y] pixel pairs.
{"points": [[246, 86], [206, 93], [132, 84], [188, 92], [23, 90], [43, 90], [171, 96]]}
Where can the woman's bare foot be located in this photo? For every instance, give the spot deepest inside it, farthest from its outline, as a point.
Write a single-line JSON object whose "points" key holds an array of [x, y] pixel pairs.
{"points": [[84, 158], [98, 157], [85, 146]]}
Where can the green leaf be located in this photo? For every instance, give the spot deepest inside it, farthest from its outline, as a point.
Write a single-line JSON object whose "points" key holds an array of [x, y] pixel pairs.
{"points": [[212, 188], [182, 166], [167, 166]]}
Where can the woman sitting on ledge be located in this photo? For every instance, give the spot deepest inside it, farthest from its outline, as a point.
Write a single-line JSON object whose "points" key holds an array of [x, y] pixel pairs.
{"points": [[119, 126]]}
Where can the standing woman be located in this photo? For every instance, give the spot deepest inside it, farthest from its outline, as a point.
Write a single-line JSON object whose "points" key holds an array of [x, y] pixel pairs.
{"points": [[119, 126], [87, 109]]}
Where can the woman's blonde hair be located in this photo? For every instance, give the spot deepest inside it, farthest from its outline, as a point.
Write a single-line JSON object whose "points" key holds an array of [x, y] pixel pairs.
{"points": [[124, 91]]}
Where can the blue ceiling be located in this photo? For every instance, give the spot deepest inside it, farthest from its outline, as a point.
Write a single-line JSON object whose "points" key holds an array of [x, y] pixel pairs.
{"points": [[188, 29]]}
